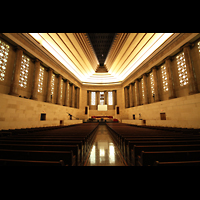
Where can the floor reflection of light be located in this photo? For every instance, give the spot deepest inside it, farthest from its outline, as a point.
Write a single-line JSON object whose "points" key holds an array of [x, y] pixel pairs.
{"points": [[92, 155], [111, 153], [102, 152]]}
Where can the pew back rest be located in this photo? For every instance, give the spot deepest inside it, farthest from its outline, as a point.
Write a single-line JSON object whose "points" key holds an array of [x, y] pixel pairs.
{"points": [[148, 158]]}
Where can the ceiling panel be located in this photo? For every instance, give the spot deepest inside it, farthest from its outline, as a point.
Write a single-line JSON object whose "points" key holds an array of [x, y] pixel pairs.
{"points": [[82, 53]]}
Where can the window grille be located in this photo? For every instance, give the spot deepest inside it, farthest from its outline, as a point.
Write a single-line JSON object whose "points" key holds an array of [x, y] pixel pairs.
{"points": [[164, 78], [182, 72], [152, 82], [4, 50], [24, 71], [40, 81], [110, 98], [52, 84], [93, 98]]}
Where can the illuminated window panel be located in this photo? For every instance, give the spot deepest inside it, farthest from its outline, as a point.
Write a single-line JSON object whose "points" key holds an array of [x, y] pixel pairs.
{"points": [[182, 72], [24, 71], [110, 98], [61, 88], [93, 98], [142, 81], [52, 84], [164, 78], [152, 82], [41, 78], [4, 50]]}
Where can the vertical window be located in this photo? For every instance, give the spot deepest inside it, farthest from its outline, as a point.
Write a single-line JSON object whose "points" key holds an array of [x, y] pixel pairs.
{"points": [[152, 82], [142, 80], [182, 72], [24, 71], [164, 78], [101, 98], [110, 98], [40, 81], [52, 84], [93, 98], [4, 50], [61, 89]]}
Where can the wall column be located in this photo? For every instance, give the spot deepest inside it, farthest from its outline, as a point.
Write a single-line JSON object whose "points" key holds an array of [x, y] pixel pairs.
{"points": [[192, 84], [89, 99], [171, 91], [48, 98], [66, 101], [131, 95], [97, 98], [36, 79], [137, 96], [58, 99], [73, 96], [126, 97], [114, 98], [145, 89], [154, 70], [15, 82], [106, 97], [77, 97]]}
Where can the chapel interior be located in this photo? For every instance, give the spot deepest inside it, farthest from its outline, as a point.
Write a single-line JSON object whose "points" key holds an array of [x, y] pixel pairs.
{"points": [[99, 99]]}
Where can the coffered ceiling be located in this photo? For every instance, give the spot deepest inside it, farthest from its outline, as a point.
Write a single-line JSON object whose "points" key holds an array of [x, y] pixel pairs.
{"points": [[86, 54]]}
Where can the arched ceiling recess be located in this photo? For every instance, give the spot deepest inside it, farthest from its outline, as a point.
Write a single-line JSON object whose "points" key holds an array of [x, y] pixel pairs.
{"points": [[102, 58]]}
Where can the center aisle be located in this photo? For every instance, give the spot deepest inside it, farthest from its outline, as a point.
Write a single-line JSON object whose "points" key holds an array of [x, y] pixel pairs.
{"points": [[104, 152]]}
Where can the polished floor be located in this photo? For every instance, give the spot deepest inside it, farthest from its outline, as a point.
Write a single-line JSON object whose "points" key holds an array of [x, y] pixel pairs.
{"points": [[104, 152]]}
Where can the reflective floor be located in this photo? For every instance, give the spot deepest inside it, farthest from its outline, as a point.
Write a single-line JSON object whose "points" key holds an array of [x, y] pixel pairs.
{"points": [[104, 152]]}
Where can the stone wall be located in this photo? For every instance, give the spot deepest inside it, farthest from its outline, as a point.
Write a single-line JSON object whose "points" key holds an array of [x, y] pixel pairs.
{"points": [[180, 112], [16, 112]]}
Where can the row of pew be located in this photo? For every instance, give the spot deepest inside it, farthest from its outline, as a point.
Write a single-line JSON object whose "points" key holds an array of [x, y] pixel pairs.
{"points": [[141, 146], [50, 146]]}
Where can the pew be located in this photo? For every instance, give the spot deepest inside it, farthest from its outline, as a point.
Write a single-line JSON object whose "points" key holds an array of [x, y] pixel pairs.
{"points": [[129, 143], [74, 148], [137, 149], [178, 163], [67, 156], [148, 158], [76, 139], [126, 136], [13, 162], [165, 142]]}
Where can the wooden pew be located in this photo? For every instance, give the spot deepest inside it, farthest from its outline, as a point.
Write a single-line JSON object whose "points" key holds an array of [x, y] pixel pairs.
{"points": [[48, 142], [165, 142], [178, 163], [67, 156], [74, 148], [128, 147], [81, 135], [43, 143], [14, 162], [137, 149], [148, 158]]}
